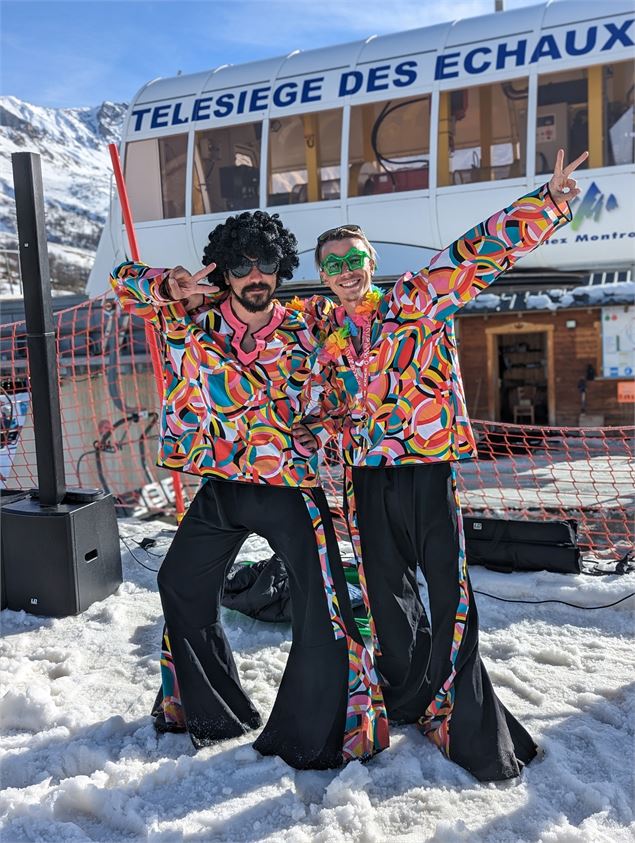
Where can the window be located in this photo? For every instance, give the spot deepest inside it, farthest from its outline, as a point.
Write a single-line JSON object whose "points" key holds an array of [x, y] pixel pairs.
{"points": [[389, 146], [619, 136], [562, 118], [226, 172], [304, 158], [155, 177], [482, 133], [586, 109]]}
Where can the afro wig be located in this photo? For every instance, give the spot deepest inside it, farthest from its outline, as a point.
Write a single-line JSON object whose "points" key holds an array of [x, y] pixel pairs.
{"points": [[257, 235]]}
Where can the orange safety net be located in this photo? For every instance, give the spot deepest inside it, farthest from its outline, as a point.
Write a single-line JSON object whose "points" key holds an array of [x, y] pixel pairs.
{"points": [[109, 409]]}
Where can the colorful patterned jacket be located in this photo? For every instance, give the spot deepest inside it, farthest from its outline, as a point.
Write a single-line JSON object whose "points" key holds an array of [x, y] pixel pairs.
{"points": [[228, 413], [415, 410]]}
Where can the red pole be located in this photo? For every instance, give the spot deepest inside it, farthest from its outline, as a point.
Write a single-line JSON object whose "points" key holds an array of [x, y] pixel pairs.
{"points": [[151, 339]]}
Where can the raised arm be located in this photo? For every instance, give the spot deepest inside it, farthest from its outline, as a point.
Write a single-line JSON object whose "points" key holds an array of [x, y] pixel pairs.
{"points": [[146, 292], [143, 290], [458, 273]]}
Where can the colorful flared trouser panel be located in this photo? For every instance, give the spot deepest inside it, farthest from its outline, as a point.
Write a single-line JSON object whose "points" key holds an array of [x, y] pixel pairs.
{"points": [[350, 514], [366, 730], [172, 708], [435, 723], [339, 629]]}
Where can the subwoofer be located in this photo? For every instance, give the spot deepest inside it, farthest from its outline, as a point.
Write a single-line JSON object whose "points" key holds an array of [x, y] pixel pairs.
{"points": [[57, 561]]}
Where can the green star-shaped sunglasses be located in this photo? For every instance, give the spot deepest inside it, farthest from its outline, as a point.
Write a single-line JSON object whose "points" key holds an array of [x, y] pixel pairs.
{"points": [[353, 259]]}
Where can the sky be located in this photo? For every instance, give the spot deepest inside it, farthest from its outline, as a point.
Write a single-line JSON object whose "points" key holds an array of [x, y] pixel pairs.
{"points": [[71, 53]]}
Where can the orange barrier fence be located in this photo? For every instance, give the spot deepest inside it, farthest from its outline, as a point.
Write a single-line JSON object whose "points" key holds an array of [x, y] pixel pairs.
{"points": [[110, 426]]}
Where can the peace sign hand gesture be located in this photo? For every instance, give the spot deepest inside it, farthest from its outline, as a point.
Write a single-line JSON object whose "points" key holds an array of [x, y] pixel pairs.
{"points": [[180, 284], [561, 187]]}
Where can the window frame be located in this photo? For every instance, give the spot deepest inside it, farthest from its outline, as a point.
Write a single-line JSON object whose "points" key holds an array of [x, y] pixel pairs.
{"points": [[302, 114]]}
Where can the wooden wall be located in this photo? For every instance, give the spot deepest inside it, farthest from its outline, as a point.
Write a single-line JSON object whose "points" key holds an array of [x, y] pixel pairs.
{"points": [[573, 350]]}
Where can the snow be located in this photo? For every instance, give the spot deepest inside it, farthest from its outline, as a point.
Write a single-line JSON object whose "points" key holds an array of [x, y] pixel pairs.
{"points": [[82, 762], [72, 143], [76, 172], [544, 481], [602, 295]]}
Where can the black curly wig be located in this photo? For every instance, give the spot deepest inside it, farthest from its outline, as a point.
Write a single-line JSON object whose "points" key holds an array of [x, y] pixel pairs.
{"points": [[257, 235]]}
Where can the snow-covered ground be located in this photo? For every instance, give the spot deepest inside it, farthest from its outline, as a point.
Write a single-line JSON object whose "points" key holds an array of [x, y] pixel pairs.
{"points": [[81, 761]]}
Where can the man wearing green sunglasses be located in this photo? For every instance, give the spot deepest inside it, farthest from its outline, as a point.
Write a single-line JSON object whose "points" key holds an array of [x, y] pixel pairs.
{"points": [[239, 370], [394, 358]]}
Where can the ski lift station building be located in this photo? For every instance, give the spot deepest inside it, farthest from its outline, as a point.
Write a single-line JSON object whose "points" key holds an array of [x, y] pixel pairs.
{"points": [[416, 136]]}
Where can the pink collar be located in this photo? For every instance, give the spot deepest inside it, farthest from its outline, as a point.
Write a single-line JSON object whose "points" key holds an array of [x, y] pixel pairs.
{"points": [[240, 328]]}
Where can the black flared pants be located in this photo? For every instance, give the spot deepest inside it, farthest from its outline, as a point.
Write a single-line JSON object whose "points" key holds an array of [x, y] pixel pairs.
{"points": [[432, 673], [329, 707]]}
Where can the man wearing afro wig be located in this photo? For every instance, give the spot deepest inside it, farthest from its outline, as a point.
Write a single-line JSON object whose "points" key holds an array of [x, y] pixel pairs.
{"points": [[240, 374]]}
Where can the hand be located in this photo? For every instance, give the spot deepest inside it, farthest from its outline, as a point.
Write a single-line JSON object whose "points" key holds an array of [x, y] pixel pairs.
{"points": [[561, 187], [180, 284], [302, 436], [194, 303]]}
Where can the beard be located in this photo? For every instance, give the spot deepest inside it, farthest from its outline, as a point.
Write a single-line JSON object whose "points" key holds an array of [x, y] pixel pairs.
{"points": [[256, 298]]}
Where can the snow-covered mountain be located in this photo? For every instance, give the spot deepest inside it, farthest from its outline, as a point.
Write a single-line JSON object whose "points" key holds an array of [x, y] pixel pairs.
{"points": [[76, 171]]}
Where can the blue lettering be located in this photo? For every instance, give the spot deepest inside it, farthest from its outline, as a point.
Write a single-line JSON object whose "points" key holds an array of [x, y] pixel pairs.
{"points": [[618, 34], [503, 53], [159, 113], [569, 44], [224, 105], [406, 70], [445, 66], [312, 89], [139, 115], [350, 83], [469, 60], [377, 75], [546, 47], [259, 97], [176, 117], [240, 105], [201, 108], [285, 94]]}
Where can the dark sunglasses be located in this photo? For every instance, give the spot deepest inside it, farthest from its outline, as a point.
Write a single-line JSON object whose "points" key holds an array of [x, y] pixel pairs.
{"points": [[242, 269], [335, 233]]}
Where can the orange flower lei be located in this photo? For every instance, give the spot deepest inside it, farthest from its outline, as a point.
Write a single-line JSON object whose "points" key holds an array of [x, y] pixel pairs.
{"points": [[369, 303], [337, 341]]}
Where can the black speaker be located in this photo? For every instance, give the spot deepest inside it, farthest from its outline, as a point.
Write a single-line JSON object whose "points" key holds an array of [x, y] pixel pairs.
{"points": [[506, 546], [57, 561], [7, 496]]}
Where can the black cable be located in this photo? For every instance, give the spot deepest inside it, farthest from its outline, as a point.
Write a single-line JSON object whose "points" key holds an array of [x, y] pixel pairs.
{"points": [[136, 559], [78, 464], [622, 566], [144, 546], [384, 113], [149, 552], [563, 602]]}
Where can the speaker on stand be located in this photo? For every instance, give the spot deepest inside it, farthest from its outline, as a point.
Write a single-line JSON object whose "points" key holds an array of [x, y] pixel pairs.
{"points": [[60, 547]]}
